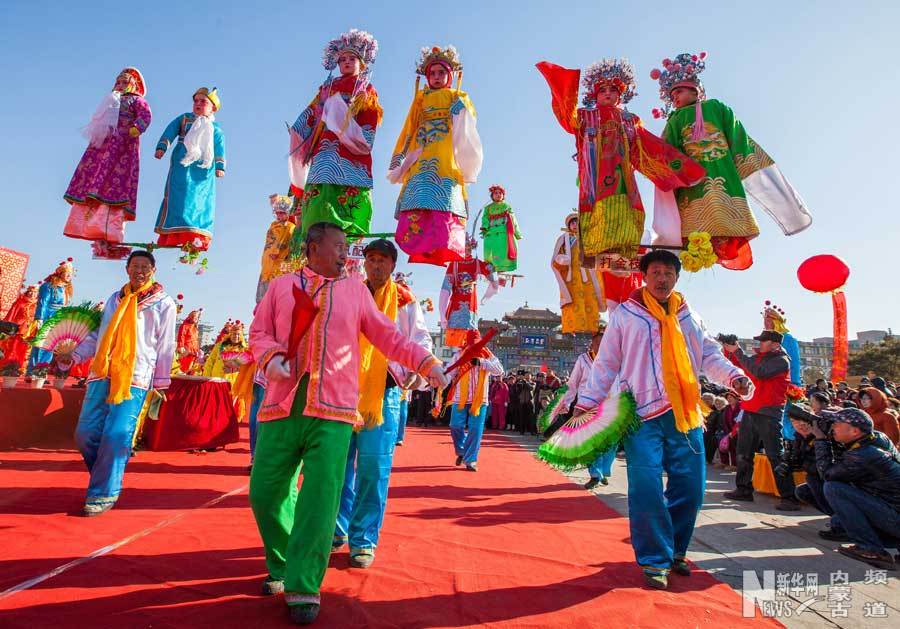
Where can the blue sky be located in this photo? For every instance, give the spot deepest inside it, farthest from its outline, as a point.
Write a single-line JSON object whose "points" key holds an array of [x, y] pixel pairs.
{"points": [[814, 83]]}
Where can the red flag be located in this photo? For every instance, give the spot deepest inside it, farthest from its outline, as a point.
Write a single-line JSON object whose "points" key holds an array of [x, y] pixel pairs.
{"points": [[472, 351], [303, 314], [563, 85]]}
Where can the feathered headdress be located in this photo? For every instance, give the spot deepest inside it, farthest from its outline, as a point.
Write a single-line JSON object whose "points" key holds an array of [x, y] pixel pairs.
{"points": [[683, 71], [446, 56], [617, 72], [360, 43]]}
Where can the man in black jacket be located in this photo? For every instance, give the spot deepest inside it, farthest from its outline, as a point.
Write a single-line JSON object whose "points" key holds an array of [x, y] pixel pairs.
{"points": [[863, 486]]}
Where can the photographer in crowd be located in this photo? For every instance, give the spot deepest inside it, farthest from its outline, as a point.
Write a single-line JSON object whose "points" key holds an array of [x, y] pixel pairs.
{"points": [[862, 486]]}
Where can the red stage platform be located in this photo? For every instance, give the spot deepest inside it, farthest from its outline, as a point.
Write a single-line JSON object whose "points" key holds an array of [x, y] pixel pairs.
{"points": [[39, 418]]}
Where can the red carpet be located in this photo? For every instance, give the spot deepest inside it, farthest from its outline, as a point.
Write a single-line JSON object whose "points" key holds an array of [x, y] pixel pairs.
{"points": [[514, 545]]}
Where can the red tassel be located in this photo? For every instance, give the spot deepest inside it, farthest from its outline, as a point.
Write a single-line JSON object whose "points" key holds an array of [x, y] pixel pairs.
{"points": [[699, 131]]}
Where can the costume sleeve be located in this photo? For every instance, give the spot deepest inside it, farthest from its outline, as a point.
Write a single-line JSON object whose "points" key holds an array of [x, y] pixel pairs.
{"points": [[492, 365], [575, 379], [405, 152], [563, 84], [516, 232], [169, 135], [142, 115], [303, 125], [384, 335], [411, 322], [444, 299], [485, 220], [44, 300], [165, 346], [466, 141], [218, 147], [605, 369], [264, 341], [88, 347], [337, 118], [487, 270], [661, 163]]}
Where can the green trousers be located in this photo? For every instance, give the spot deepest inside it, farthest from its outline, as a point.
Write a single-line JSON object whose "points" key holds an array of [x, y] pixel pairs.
{"points": [[297, 526]]}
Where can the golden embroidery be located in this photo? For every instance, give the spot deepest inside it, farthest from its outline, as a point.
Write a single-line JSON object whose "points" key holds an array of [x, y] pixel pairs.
{"points": [[753, 162], [613, 227], [710, 148], [717, 213]]}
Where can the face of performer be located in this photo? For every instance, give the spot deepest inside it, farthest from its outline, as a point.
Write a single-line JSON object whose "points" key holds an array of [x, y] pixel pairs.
{"points": [[684, 96], [202, 105], [280, 216], [65, 275], [497, 196], [573, 226], [378, 268], [349, 64], [660, 279], [235, 335], [438, 76], [139, 270], [124, 83], [31, 292], [768, 322], [328, 256], [607, 95]]}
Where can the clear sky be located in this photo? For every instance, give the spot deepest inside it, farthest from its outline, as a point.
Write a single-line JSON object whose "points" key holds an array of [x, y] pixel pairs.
{"points": [[814, 83]]}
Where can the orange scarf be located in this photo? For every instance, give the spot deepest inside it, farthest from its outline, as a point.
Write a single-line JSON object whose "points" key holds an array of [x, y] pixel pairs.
{"points": [[477, 397]]}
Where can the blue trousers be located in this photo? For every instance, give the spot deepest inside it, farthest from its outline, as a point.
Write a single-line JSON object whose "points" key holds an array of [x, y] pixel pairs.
{"points": [[401, 422], [466, 430], [602, 465], [364, 495], [869, 521], [259, 392], [103, 435], [662, 521]]}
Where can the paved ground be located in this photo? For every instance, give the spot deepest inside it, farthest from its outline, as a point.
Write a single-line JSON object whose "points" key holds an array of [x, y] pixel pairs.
{"points": [[732, 537]]}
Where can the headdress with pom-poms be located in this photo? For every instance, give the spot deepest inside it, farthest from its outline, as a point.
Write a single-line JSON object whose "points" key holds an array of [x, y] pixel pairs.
{"points": [[618, 72], [496, 188], [683, 71], [360, 43], [55, 277], [446, 56], [281, 203], [776, 313]]}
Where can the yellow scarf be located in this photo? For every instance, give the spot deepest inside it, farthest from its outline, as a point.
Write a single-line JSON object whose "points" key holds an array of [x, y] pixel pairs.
{"points": [[372, 363], [478, 396], [678, 373], [117, 350]]}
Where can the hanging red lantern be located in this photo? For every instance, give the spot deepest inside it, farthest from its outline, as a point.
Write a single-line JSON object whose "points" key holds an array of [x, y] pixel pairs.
{"points": [[823, 273]]}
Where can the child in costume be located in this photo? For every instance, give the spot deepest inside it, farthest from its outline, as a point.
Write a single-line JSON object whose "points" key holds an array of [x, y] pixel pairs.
{"points": [[500, 232], [611, 144], [458, 300], [437, 153], [103, 190], [331, 141], [54, 292], [189, 204], [580, 290], [21, 312], [716, 207], [278, 243]]}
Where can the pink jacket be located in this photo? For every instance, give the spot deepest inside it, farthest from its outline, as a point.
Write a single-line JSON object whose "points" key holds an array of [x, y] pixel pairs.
{"points": [[329, 352]]}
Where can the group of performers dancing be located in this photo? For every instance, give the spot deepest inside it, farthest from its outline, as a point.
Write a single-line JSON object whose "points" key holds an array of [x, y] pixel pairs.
{"points": [[330, 357]]}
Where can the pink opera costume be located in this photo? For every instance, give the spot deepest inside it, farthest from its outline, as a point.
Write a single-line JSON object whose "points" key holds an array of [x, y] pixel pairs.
{"points": [[437, 153], [103, 190]]}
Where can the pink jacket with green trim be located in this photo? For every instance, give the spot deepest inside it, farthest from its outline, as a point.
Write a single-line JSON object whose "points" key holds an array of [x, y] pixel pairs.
{"points": [[329, 352]]}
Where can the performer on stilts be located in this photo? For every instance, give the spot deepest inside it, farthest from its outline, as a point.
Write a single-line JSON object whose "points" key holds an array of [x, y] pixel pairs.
{"points": [[132, 353], [381, 384], [437, 153], [54, 292], [103, 190], [277, 248], [332, 139], [188, 210], [500, 231], [715, 210], [580, 289], [655, 347], [458, 301], [469, 401], [306, 336]]}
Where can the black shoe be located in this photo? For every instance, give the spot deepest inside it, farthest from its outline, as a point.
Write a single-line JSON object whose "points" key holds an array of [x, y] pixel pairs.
{"points": [[740, 495], [472, 467], [604, 481], [788, 504], [834, 536], [656, 581], [592, 483], [304, 614], [681, 567], [459, 460], [271, 586]]}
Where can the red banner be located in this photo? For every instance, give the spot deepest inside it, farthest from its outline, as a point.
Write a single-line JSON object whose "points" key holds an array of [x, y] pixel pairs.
{"points": [[841, 348]]}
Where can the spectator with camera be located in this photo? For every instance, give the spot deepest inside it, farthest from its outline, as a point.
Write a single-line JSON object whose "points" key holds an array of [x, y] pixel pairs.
{"points": [[862, 486], [769, 369]]}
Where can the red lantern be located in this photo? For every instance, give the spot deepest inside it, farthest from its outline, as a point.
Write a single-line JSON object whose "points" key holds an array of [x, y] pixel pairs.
{"points": [[823, 273]]}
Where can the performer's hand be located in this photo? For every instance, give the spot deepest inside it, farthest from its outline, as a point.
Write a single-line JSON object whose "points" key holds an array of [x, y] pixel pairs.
{"points": [[437, 378], [220, 173], [159, 153], [278, 369], [742, 386], [411, 381], [134, 132]]}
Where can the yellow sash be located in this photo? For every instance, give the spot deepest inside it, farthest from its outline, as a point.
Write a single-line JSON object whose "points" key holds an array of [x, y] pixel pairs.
{"points": [[373, 364], [117, 350], [678, 373], [477, 397]]}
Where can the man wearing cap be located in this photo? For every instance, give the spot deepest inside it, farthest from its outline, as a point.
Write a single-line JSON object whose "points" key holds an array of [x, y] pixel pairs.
{"points": [[862, 485], [769, 369], [381, 382], [655, 347]]}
